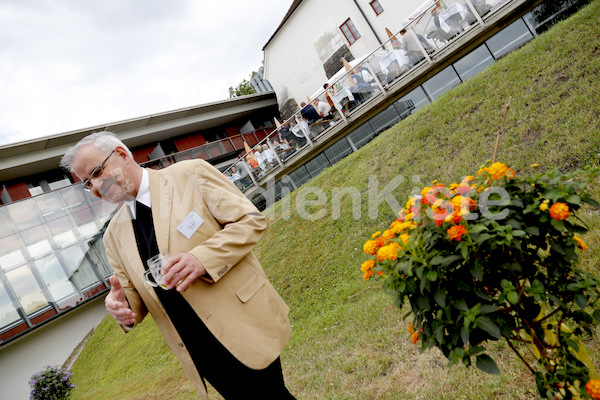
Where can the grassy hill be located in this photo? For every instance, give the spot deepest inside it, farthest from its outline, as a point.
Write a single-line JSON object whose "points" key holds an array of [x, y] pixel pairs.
{"points": [[358, 347]]}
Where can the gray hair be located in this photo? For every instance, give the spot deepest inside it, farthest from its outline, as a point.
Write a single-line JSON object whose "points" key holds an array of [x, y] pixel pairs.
{"points": [[105, 141]]}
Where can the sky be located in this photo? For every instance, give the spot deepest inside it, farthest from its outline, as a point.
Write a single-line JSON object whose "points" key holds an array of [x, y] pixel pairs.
{"points": [[74, 64]]}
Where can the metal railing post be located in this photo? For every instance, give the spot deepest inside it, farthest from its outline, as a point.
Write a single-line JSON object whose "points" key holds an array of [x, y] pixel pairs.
{"points": [[419, 44]]}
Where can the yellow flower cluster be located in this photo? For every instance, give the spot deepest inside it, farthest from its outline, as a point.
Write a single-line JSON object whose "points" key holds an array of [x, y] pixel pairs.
{"points": [[497, 171], [580, 242], [388, 252], [367, 268]]}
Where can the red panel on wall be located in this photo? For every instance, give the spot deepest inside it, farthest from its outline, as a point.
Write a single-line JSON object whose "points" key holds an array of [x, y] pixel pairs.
{"points": [[18, 191], [14, 331], [95, 290], [44, 316], [141, 155], [189, 142], [232, 131]]}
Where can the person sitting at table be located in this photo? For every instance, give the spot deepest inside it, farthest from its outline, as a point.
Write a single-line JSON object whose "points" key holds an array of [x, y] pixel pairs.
{"points": [[261, 158], [269, 155], [359, 86], [286, 135], [328, 96], [245, 180], [283, 148], [412, 48], [251, 159], [309, 113], [323, 109]]}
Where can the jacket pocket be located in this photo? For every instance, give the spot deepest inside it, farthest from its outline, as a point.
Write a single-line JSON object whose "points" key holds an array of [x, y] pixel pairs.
{"points": [[250, 287]]}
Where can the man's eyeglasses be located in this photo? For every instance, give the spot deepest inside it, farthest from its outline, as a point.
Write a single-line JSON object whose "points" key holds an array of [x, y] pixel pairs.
{"points": [[96, 172]]}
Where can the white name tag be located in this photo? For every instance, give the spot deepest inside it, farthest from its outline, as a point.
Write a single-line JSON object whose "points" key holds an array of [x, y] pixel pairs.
{"points": [[190, 224]]}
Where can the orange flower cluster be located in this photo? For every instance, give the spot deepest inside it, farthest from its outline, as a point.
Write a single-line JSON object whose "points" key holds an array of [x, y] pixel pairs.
{"points": [[414, 336], [559, 211], [455, 232], [593, 388]]}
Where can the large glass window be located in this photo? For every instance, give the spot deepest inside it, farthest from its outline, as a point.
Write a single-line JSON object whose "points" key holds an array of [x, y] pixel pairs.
{"points": [[510, 38], [418, 97], [11, 259], [54, 276], [317, 164], [473, 63], [8, 308], [441, 83], [27, 289]]}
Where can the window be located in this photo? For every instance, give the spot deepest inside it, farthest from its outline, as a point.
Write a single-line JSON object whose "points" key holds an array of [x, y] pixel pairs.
{"points": [[349, 31], [376, 7]]}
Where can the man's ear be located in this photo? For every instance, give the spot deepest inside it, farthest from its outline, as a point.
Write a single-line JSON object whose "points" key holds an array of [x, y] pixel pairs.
{"points": [[123, 153]]}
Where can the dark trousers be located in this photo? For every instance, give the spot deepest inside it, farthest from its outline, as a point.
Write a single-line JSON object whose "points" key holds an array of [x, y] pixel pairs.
{"points": [[232, 379]]}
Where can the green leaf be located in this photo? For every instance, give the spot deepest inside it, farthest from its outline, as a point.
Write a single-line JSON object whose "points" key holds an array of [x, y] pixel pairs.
{"points": [[486, 364], [423, 303], [439, 334], [574, 199], [588, 199], [464, 335], [482, 238], [440, 297], [558, 225], [477, 271], [473, 350], [596, 316], [443, 260], [488, 308], [518, 233], [489, 326], [533, 230], [581, 301], [432, 275], [461, 304], [552, 194], [513, 297]]}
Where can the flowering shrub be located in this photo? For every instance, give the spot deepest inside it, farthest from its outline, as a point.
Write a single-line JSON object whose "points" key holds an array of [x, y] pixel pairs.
{"points": [[51, 384], [494, 257]]}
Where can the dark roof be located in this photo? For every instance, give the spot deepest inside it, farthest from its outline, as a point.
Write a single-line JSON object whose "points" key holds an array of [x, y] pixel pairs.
{"points": [[293, 7]]}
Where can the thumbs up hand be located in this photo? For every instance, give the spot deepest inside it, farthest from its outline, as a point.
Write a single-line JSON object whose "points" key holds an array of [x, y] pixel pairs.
{"points": [[116, 304]]}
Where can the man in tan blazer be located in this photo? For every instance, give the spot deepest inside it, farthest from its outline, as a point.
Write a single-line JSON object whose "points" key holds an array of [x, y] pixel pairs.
{"points": [[220, 316]]}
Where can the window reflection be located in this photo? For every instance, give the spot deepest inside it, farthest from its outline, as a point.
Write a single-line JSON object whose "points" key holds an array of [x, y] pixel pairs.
{"points": [[441, 83], [12, 259], [24, 214], [39, 248], [473, 63], [507, 40], [8, 313], [27, 289]]}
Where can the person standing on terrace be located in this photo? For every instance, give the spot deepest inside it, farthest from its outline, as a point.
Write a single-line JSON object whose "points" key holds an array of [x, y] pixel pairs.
{"points": [[218, 312]]}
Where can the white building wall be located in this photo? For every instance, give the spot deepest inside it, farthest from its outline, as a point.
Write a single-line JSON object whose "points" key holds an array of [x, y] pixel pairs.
{"points": [[295, 56], [50, 345]]}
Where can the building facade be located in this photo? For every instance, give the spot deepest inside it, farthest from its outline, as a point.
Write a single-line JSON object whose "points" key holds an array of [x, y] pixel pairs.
{"points": [[306, 49]]}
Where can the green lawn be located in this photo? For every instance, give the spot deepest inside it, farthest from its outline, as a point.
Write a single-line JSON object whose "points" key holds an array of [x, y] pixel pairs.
{"points": [[358, 347]]}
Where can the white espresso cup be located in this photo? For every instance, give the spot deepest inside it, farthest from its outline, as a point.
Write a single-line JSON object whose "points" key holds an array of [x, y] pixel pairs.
{"points": [[155, 265]]}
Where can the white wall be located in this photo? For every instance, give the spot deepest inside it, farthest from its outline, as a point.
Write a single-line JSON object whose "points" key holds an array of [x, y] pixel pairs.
{"points": [[49, 345], [295, 56]]}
